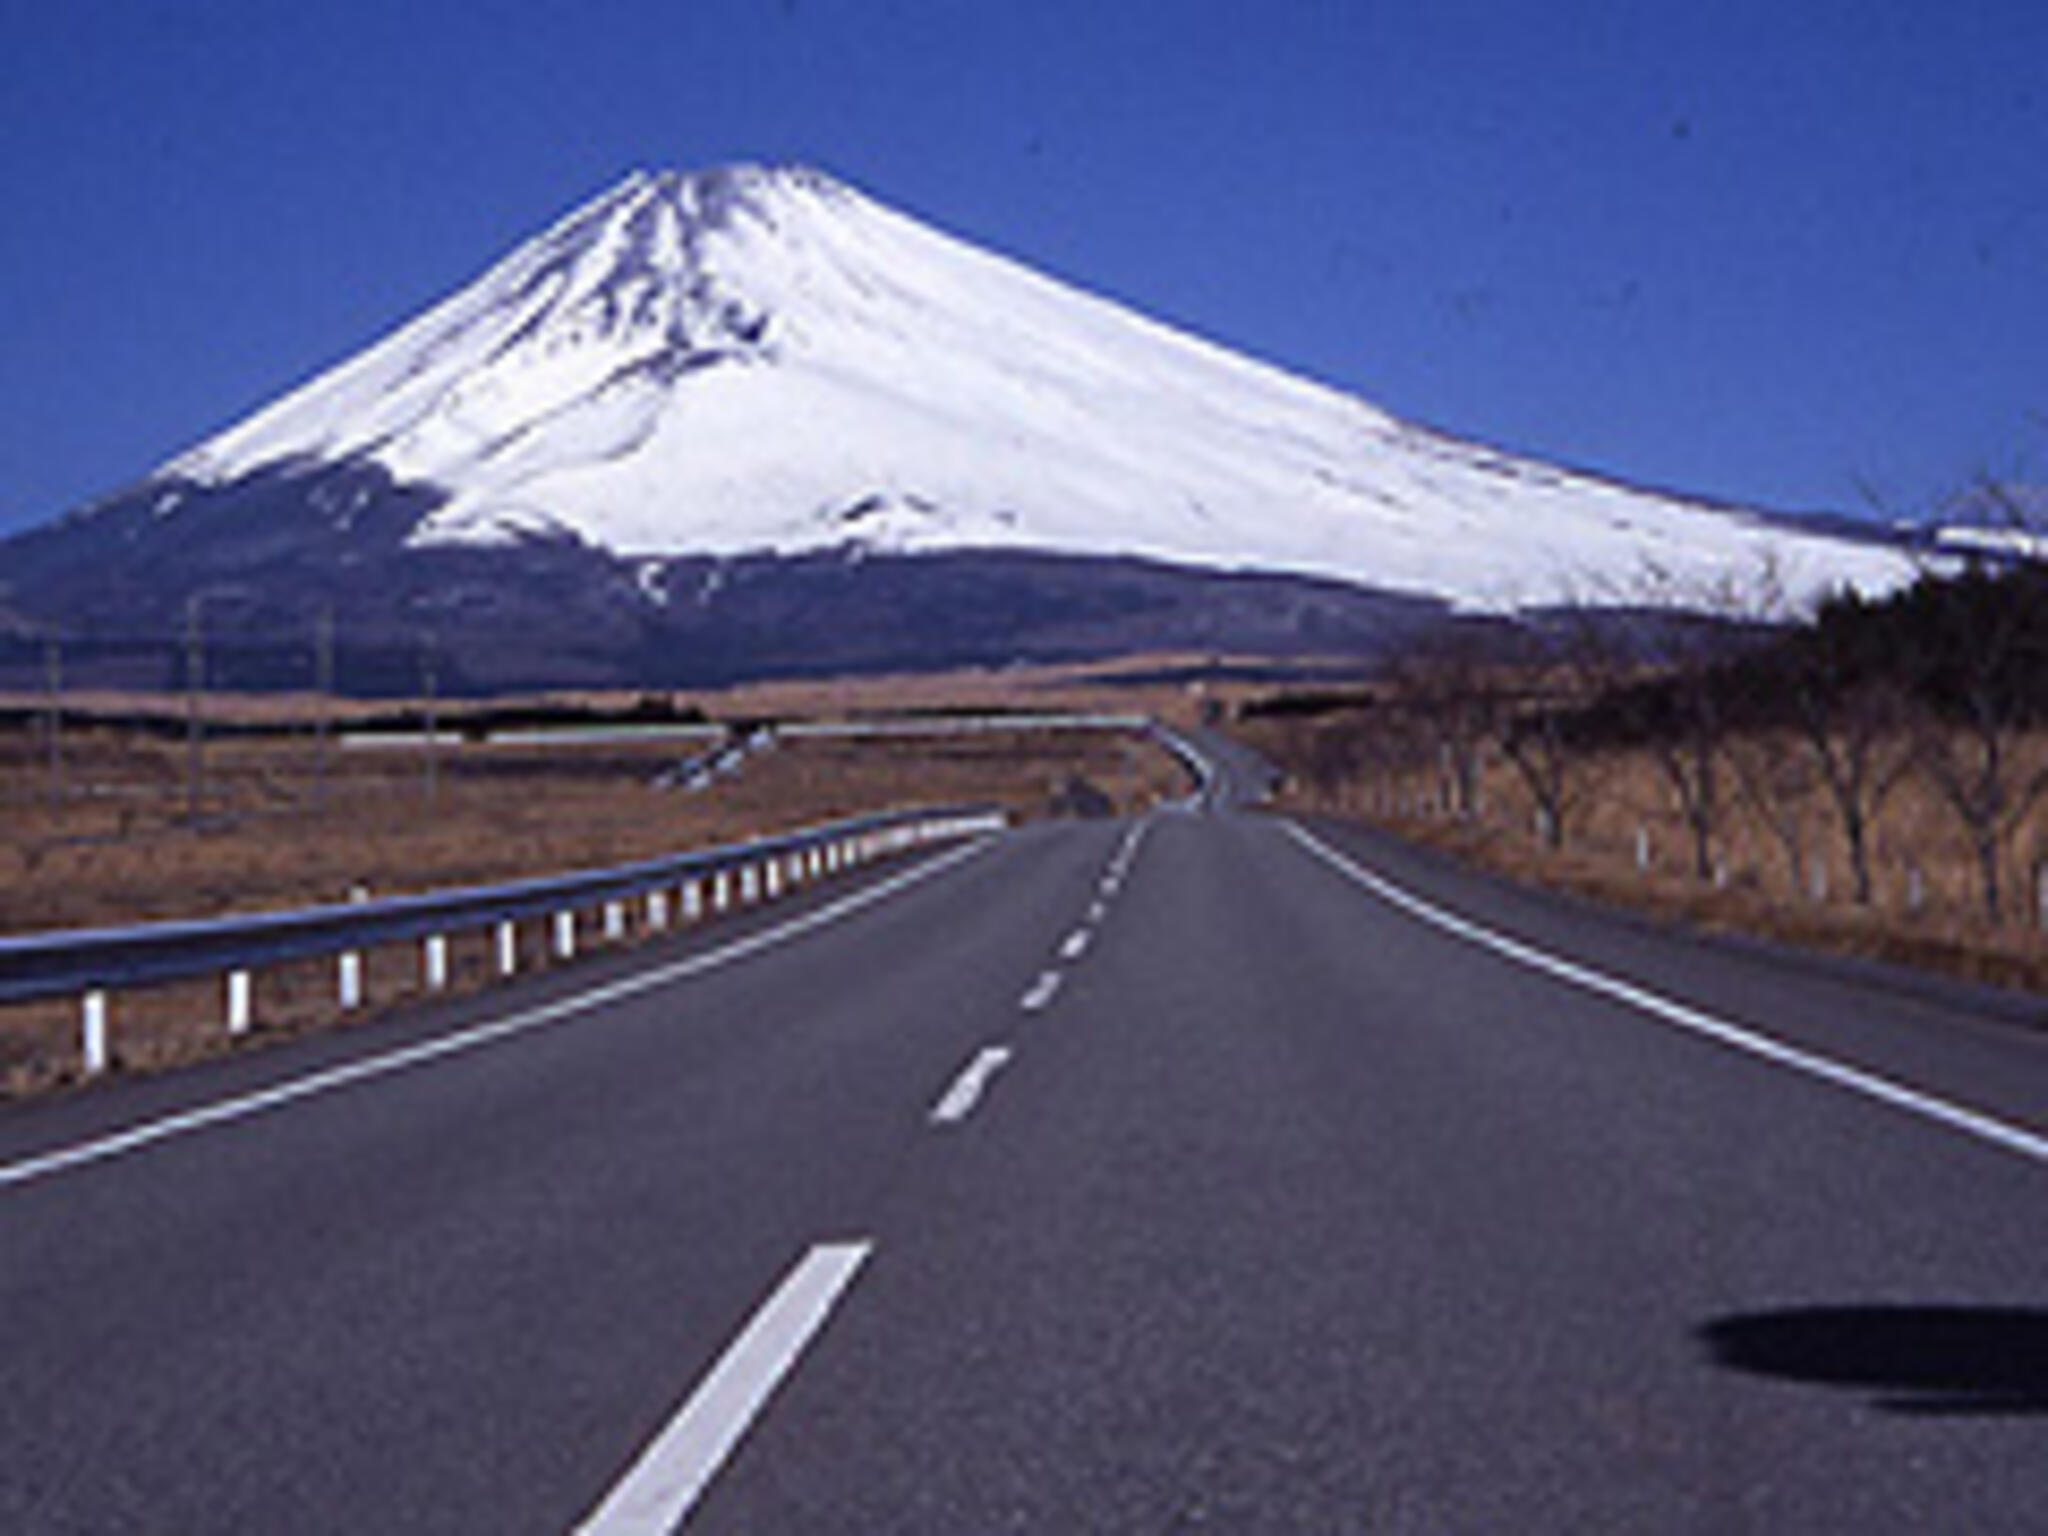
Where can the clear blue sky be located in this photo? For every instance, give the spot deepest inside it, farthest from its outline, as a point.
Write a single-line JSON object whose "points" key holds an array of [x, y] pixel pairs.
{"points": [[1770, 250]]}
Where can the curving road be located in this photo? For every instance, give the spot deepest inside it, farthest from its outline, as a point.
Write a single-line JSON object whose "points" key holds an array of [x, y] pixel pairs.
{"points": [[1210, 1172]]}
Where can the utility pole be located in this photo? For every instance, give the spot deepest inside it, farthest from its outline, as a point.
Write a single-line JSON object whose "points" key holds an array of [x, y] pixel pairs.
{"points": [[323, 686], [53, 677], [195, 680]]}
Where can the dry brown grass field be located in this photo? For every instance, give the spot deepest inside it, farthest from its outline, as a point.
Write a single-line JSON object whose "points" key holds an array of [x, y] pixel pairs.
{"points": [[119, 835], [1925, 908], [271, 831], [281, 820]]}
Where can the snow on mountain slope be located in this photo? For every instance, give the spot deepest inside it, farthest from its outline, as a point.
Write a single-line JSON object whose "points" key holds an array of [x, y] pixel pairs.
{"points": [[748, 361]]}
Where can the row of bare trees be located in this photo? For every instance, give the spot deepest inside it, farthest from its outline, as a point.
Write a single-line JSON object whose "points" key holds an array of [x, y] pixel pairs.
{"points": [[1812, 727]]}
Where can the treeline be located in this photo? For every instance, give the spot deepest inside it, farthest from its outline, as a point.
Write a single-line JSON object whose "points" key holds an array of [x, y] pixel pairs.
{"points": [[1896, 737]]}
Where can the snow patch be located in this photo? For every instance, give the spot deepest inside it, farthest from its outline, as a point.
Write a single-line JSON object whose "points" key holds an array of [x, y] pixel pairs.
{"points": [[760, 361]]}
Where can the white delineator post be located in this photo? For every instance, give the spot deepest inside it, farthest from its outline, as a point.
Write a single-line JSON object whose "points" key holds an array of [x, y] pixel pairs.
{"points": [[508, 947], [241, 1003], [693, 901], [434, 962], [349, 978], [614, 921], [565, 935], [93, 1033], [657, 911]]}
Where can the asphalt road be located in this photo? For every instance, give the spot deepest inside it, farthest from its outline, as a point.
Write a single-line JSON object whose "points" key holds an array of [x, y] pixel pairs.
{"points": [[1204, 1173]]}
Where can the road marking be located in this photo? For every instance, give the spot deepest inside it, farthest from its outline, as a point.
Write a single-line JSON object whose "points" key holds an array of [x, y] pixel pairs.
{"points": [[662, 1487], [1076, 945], [1097, 911], [150, 1132], [968, 1087], [1041, 992], [1957, 1117]]}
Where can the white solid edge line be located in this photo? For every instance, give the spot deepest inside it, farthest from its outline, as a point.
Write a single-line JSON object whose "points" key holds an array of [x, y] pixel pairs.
{"points": [[657, 1494], [961, 1098], [1956, 1117], [149, 1132]]}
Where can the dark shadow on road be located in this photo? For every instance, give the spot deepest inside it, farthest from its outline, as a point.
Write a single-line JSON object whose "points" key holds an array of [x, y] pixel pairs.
{"points": [[1917, 1360]]}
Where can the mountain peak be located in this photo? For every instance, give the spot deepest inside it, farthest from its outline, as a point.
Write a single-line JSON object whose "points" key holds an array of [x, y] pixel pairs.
{"points": [[756, 359], [705, 192]]}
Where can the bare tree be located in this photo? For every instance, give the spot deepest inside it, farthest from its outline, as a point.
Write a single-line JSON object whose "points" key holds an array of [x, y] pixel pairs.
{"points": [[1774, 775], [1449, 694], [1967, 651], [1333, 751], [1983, 639], [1536, 743], [1831, 684], [1572, 662], [1683, 718], [1861, 750], [1398, 751]]}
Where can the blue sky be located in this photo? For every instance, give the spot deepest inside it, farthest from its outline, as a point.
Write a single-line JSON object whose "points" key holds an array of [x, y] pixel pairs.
{"points": [[1784, 252]]}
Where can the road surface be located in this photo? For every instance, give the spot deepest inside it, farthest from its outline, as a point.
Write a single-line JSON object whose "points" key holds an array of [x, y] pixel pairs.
{"points": [[1209, 1172]]}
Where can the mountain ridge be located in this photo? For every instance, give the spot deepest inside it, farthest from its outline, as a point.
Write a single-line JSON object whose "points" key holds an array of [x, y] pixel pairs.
{"points": [[754, 360], [764, 363]]}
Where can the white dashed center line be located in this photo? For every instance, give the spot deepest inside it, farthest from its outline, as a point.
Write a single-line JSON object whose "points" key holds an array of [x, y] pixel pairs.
{"points": [[1041, 992], [1076, 945], [672, 1473], [968, 1087]]}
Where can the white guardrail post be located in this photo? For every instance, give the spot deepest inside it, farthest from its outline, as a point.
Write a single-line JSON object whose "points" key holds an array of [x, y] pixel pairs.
{"points": [[434, 962], [93, 1033], [241, 1003], [565, 935], [349, 973], [508, 947]]}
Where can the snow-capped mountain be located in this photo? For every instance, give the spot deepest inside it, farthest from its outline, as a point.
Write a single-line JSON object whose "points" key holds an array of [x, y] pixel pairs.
{"points": [[764, 374], [751, 361]]}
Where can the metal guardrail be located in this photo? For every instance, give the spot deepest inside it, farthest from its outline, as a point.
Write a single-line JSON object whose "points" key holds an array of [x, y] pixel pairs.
{"points": [[92, 962]]}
